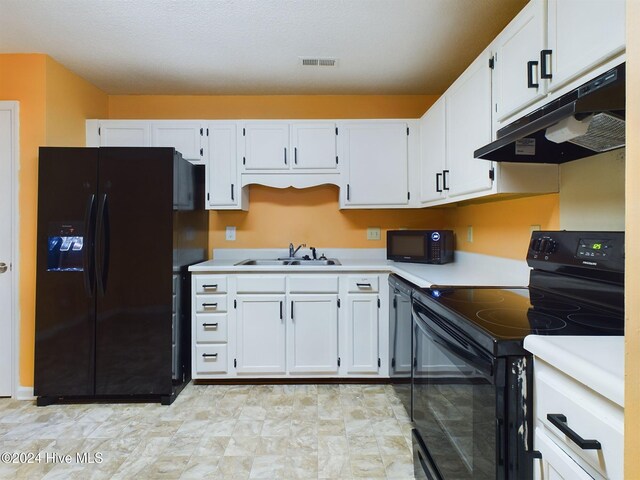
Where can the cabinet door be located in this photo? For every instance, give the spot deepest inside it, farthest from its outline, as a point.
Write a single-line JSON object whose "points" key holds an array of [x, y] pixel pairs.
{"points": [[520, 43], [377, 163], [314, 146], [583, 34], [432, 152], [266, 146], [261, 334], [186, 137], [468, 128], [115, 133], [401, 335], [312, 334], [555, 464], [222, 166], [362, 334]]}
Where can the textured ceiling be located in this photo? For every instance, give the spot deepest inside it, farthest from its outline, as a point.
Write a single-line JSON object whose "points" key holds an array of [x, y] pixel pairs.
{"points": [[253, 46]]}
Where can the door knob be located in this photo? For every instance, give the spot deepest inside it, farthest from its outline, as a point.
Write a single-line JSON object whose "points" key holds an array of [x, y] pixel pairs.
{"points": [[3, 267]]}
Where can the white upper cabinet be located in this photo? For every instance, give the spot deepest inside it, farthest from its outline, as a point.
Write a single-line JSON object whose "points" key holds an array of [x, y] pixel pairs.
{"points": [[314, 146], [583, 34], [517, 60], [376, 156], [125, 133], [266, 146], [468, 127], [223, 189], [432, 152], [185, 136]]}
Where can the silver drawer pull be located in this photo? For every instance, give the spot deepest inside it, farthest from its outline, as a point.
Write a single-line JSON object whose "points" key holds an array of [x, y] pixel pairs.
{"points": [[363, 285], [212, 286], [213, 325], [209, 305], [209, 355]]}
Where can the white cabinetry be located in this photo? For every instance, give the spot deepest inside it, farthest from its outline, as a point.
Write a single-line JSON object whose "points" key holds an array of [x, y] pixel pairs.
{"points": [[312, 334], [362, 330], [125, 133], [582, 35], [185, 136], [261, 334], [223, 189], [314, 146], [376, 155], [433, 152], [266, 146]]}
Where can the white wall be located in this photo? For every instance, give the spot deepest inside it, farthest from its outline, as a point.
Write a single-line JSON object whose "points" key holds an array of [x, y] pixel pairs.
{"points": [[592, 192]]}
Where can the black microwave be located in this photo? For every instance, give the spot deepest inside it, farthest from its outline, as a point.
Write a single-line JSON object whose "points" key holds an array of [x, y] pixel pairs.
{"points": [[420, 246]]}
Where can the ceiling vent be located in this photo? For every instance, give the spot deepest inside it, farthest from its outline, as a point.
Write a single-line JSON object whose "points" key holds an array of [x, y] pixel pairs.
{"points": [[318, 62]]}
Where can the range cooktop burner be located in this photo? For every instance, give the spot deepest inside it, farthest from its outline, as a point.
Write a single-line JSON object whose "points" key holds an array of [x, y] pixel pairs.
{"points": [[596, 321], [516, 321]]}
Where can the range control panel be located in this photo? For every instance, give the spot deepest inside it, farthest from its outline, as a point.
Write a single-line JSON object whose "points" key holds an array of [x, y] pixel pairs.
{"points": [[551, 250]]}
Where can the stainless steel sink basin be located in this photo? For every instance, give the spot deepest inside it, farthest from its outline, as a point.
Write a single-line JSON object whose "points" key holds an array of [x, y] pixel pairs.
{"points": [[289, 261]]}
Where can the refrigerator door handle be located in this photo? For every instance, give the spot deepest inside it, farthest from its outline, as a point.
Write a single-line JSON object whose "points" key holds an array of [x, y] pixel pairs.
{"points": [[102, 245], [89, 266]]}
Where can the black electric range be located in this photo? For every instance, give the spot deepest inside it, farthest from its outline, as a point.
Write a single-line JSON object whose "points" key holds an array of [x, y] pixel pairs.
{"points": [[472, 378]]}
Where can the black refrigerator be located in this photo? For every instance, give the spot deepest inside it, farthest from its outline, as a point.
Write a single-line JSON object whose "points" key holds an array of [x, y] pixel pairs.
{"points": [[117, 229]]}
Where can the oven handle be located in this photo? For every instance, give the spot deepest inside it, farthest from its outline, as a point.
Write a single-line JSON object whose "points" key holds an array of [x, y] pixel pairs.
{"points": [[467, 352]]}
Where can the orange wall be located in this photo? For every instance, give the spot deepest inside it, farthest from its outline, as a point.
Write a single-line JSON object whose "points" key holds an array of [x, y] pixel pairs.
{"points": [[503, 228], [43, 88]]}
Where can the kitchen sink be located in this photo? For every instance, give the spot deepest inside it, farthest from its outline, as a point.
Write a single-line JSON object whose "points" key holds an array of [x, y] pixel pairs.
{"points": [[289, 261]]}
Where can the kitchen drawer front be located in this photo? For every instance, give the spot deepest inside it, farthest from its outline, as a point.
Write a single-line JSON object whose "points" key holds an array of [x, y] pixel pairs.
{"points": [[211, 328], [211, 284], [590, 415], [260, 284], [313, 284], [363, 284], [555, 463], [211, 359], [211, 303]]}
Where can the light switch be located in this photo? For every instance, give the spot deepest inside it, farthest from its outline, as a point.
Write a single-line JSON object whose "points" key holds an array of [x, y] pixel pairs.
{"points": [[373, 233], [231, 234]]}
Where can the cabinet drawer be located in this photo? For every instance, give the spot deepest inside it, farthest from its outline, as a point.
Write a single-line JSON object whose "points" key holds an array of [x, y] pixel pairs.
{"points": [[211, 359], [211, 328], [313, 284], [211, 284], [260, 284], [211, 303], [363, 284], [555, 461], [587, 413]]}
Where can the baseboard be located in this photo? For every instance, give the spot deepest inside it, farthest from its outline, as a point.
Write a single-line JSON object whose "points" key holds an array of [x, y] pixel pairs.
{"points": [[24, 393]]}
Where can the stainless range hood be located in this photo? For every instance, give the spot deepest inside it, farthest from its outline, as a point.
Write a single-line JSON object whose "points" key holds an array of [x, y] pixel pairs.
{"points": [[584, 122]]}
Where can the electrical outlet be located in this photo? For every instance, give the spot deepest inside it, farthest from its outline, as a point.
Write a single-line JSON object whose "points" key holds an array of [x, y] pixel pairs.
{"points": [[231, 234], [470, 233], [373, 233], [534, 228]]}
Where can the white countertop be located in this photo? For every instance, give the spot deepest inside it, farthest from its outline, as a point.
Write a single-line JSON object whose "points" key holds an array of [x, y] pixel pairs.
{"points": [[597, 362], [467, 269]]}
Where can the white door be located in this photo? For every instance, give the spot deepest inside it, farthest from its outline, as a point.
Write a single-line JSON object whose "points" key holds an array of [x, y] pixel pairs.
{"points": [[125, 133], [517, 64], [583, 34], [362, 333], [432, 152], [222, 185], [261, 334], [314, 145], [186, 137], [8, 144], [377, 163], [468, 128], [267, 146], [312, 334]]}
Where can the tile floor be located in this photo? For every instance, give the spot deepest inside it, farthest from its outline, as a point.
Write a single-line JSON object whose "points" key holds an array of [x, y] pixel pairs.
{"points": [[216, 432]]}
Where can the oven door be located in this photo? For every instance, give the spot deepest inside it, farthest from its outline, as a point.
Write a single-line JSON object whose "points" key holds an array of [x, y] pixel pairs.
{"points": [[456, 402]]}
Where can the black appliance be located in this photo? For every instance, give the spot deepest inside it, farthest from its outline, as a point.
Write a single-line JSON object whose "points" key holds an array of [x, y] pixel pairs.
{"points": [[420, 246], [584, 122], [472, 379], [400, 328], [117, 229]]}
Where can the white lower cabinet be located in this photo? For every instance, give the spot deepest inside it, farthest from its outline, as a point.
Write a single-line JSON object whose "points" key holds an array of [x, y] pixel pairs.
{"points": [[297, 325], [312, 334], [362, 352], [260, 334]]}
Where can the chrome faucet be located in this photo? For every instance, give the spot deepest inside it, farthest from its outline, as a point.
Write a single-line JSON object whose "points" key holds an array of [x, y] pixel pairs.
{"points": [[293, 251]]}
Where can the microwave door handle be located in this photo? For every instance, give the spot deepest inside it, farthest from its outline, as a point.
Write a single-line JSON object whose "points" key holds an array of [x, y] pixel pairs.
{"points": [[468, 353]]}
